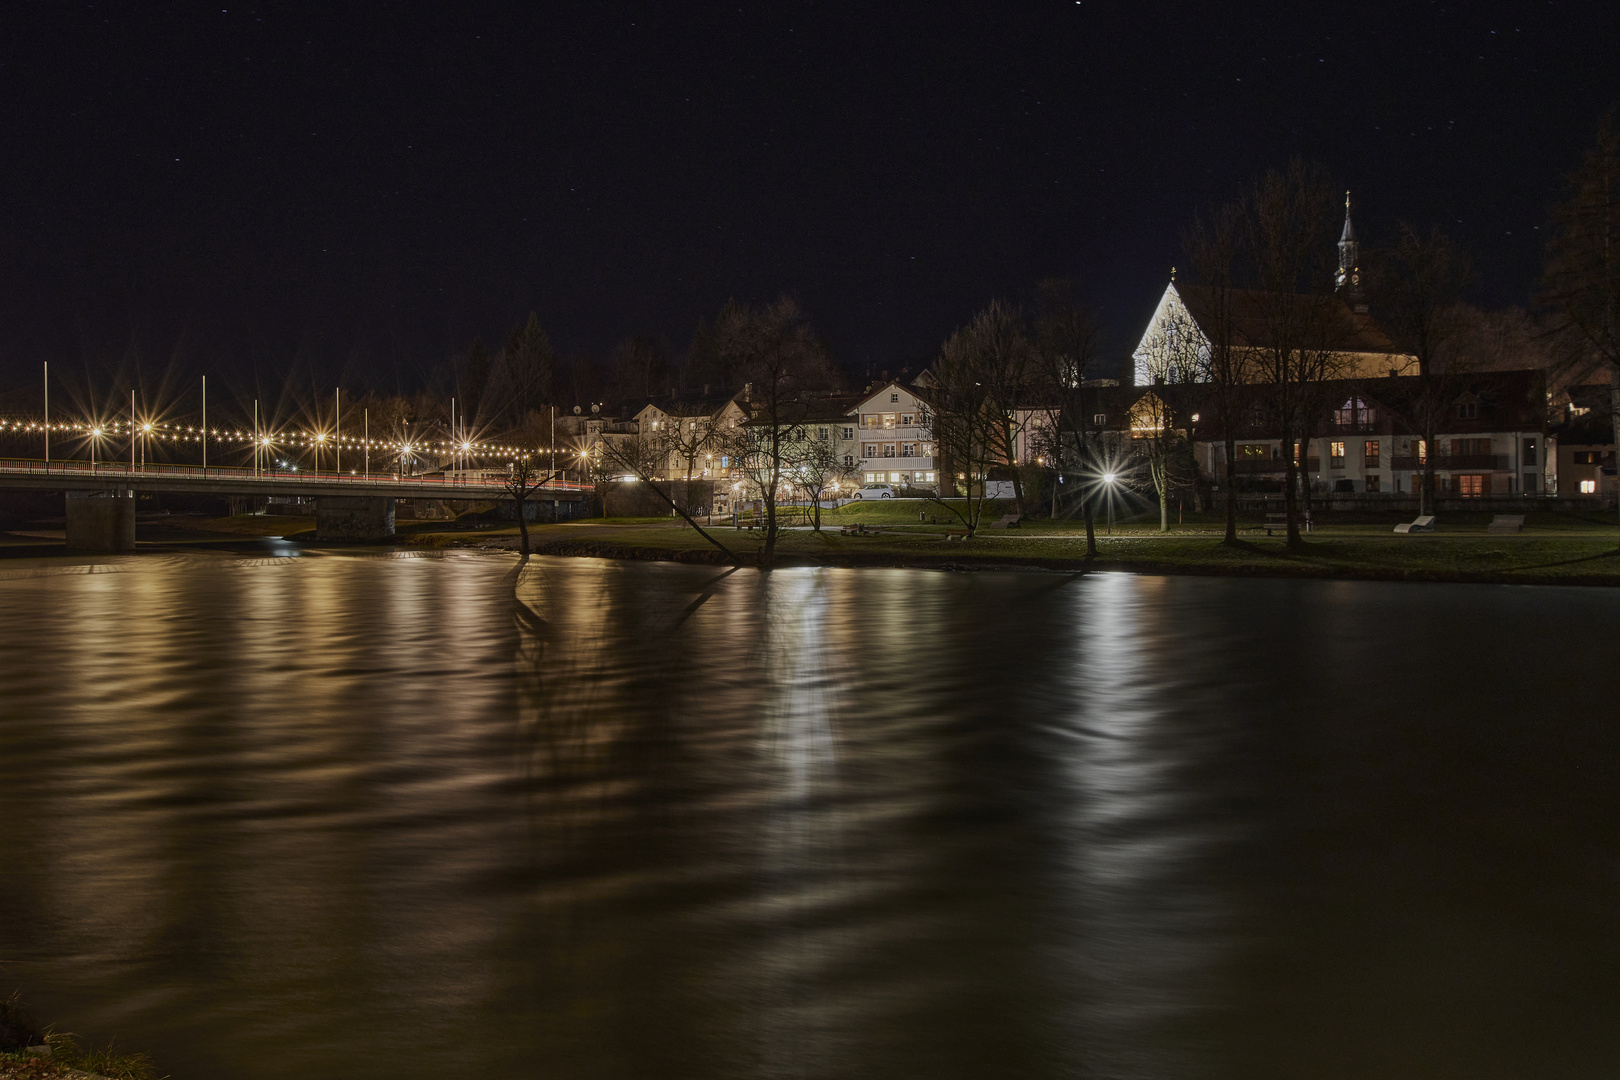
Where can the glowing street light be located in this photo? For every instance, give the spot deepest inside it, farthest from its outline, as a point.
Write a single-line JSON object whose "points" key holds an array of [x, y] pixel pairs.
{"points": [[1110, 479]]}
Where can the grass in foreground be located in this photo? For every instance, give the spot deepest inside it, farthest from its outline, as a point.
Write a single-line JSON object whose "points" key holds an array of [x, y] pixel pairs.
{"points": [[68, 1055]]}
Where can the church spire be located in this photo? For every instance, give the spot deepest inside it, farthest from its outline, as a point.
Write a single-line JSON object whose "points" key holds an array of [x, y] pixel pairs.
{"points": [[1348, 281]]}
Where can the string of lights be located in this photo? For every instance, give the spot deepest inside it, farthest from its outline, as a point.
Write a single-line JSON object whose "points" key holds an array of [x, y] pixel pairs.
{"points": [[284, 437]]}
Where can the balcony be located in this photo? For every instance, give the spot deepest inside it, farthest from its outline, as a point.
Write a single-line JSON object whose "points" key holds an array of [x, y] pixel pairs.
{"points": [[1454, 463]]}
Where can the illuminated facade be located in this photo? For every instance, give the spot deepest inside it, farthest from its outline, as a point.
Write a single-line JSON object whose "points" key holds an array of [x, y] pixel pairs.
{"points": [[891, 442]]}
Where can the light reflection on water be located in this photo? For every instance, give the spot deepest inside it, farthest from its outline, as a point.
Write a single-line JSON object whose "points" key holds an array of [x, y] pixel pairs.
{"points": [[361, 816]]}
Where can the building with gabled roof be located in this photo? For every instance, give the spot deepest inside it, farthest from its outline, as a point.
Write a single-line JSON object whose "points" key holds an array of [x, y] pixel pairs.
{"points": [[1340, 323]]}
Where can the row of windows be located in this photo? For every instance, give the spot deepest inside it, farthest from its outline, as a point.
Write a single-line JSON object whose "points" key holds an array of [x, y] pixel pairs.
{"points": [[905, 449], [890, 420], [921, 477], [1372, 451]]}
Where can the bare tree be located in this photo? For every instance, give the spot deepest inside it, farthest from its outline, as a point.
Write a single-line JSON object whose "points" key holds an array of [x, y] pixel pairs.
{"points": [[780, 358], [1226, 365], [977, 393], [1416, 286], [523, 479], [1581, 282], [1287, 220], [1067, 337], [683, 441], [816, 467], [642, 458]]}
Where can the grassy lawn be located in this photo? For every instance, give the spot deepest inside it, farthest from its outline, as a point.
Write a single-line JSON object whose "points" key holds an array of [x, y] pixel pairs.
{"points": [[1572, 548], [1572, 552]]}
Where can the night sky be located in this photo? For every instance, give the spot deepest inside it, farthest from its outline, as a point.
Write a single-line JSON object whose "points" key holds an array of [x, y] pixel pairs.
{"points": [[361, 189]]}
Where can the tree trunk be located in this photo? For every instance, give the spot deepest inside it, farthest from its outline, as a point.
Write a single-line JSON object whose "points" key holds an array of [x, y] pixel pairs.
{"points": [[1231, 488], [1089, 509], [768, 503], [1164, 491], [523, 528]]}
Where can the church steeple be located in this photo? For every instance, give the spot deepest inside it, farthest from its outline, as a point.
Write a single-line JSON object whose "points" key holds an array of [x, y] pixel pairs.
{"points": [[1348, 281]]}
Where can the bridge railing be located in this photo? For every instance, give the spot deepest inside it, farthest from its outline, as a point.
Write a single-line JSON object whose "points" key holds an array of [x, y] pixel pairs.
{"points": [[430, 486]]}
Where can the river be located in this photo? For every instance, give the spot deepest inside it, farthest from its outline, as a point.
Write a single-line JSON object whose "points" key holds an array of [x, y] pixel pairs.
{"points": [[288, 813]]}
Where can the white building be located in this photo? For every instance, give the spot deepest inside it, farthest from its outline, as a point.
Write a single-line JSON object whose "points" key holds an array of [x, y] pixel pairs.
{"points": [[891, 432]]}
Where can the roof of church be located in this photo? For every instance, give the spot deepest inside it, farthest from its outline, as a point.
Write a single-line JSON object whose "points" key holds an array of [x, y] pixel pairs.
{"points": [[1252, 313]]}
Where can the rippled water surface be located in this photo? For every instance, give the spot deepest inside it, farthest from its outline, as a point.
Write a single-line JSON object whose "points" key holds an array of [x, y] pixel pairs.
{"points": [[366, 816]]}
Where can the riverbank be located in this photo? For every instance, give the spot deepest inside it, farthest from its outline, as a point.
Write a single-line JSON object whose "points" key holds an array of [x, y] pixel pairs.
{"points": [[1571, 558], [29, 1053], [1554, 549]]}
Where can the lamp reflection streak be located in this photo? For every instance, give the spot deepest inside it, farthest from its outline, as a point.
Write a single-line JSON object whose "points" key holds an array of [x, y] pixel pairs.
{"points": [[1144, 915]]}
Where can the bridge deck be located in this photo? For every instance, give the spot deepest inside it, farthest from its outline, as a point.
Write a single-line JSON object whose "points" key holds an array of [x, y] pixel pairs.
{"points": [[193, 479]]}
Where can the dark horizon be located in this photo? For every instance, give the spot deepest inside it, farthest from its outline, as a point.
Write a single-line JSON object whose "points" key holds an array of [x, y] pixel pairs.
{"points": [[248, 191]]}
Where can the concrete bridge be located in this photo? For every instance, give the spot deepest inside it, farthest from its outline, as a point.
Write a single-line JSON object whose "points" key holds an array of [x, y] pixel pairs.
{"points": [[101, 497]]}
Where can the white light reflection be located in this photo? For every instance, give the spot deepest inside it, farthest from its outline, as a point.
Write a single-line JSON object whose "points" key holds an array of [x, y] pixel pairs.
{"points": [[1143, 909], [803, 857]]}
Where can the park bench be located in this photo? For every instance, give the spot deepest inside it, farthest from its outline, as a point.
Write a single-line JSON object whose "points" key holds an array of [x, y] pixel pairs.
{"points": [[1279, 522], [956, 534], [1010, 521], [1506, 523], [1423, 523], [859, 529]]}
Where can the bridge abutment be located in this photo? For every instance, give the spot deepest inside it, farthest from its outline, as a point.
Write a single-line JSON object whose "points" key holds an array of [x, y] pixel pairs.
{"points": [[351, 518], [101, 520]]}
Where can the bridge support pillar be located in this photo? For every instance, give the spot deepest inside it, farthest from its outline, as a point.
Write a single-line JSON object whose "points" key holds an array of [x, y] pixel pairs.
{"points": [[350, 518], [101, 520]]}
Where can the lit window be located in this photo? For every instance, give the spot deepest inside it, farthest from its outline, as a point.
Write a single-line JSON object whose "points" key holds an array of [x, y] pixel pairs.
{"points": [[908, 420], [869, 449], [1336, 453], [1588, 487], [1370, 451], [908, 449], [894, 478]]}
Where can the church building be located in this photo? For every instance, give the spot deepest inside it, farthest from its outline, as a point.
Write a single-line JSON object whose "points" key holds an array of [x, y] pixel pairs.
{"points": [[1178, 336]]}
